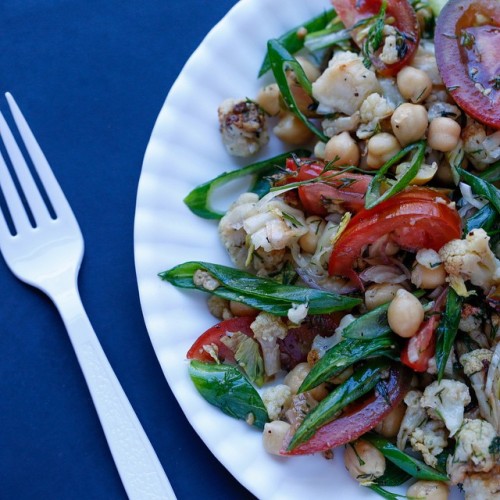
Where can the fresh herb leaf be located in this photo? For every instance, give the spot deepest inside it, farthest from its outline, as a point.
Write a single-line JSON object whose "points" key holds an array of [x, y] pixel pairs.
{"points": [[393, 476], [494, 447], [447, 330], [293, 41], [227, 388], [261, 293], [481, 187], [375, 35], [409, 464], [199, 199], [362, 381], [376, 31], [247, 355], [344, 354], [281, 60], [331, 35], [485, 218], [492, 173], [374, 194]]}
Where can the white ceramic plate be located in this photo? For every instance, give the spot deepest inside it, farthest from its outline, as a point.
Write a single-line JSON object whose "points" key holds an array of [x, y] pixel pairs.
{"points": [[185, 149]]}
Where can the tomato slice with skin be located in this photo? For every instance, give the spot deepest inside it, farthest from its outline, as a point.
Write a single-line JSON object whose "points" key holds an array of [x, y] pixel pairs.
{"points": [[405, 21], [348, 188], [467, 41], [415, 218], [213, 335], [422, 346], [358, 418]]}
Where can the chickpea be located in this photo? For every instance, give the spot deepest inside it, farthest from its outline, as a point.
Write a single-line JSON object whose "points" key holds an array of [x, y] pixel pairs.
{"points": [[364, 462], [444, 173], [414, 84], [219, 307], [342, 376], [380, 293], [342, 149], [319, 150], [444, 134], [428, 490], [312, 72], [409, 123], [428, 278], [240, 309], [303, 100], [389, 427], [268, 99], [291, 130], [405, 314], [296, 376], [424, 175], [381, 148], [309, 241], [273, 436]]}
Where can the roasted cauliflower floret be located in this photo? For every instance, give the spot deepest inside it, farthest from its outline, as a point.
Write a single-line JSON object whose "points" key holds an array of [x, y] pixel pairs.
{"points": [[481, 149], [374, 109], [482, 485], [414, 416], [470, 319], [243, 126], [267, 229], [267, 329], [476, 365], [345, 84], [336, 125], [446, 400], [476, 361], [277, 400], [472, 259], [274, 225], [430, 440], [472, 451], [231, 231]]}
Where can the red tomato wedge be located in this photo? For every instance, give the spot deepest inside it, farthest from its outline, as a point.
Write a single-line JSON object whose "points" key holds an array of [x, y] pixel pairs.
{"points": [[415, 218], [467, 41], [358, 418], [421, 347], [213, 335], [353, 11], [347, 189]]}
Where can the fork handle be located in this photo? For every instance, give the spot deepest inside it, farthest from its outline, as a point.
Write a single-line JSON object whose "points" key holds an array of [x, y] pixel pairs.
{"points": [[140, 470]]}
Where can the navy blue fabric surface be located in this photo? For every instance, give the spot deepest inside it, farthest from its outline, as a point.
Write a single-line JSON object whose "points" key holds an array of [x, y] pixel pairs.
{"points": [[91, 77]]}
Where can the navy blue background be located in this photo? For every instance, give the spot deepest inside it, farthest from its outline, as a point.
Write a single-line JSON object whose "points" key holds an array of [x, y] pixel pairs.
{"points": [[91, 77]]}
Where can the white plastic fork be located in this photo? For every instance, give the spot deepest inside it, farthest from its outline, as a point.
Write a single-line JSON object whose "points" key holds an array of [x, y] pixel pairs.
{"points": [[48, 257]]}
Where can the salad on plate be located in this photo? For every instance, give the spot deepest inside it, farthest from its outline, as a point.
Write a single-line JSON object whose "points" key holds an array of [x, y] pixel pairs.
{"points": [[362, 307]]}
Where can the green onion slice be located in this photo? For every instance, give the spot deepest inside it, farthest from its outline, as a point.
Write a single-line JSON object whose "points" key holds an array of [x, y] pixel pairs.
{"points": [[344, 354], [362, 381], [292, 39], [281, 60], [412, 466], [199, 199], [261, 293], [374, 194], [447, 330]]}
